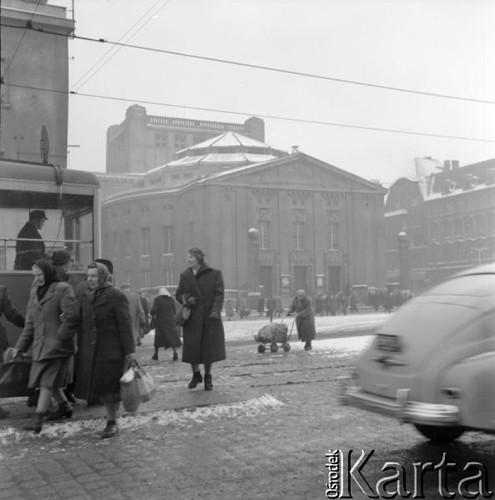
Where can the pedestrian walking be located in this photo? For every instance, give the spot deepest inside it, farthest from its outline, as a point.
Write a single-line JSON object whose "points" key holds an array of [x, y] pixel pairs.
{"points": [[105, 344], [163, 321], [202, 289], [51, 325], [260, 306], [145, 327], [270, 307], [14, 317], [229, 310], [305, 318]]}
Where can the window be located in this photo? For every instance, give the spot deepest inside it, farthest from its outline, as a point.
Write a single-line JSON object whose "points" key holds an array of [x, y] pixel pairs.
{"points": [[180, 141], [264, 235], [298, 235], [145, 241], [161, 140], [469, 225], [168, 239], [168, 276], [448, 229], [145, 278], [458, 226], [127, 243], [332, 236]]}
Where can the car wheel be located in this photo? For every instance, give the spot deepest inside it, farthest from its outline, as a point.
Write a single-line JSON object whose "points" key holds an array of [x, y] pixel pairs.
{"points": [[440, 434]]}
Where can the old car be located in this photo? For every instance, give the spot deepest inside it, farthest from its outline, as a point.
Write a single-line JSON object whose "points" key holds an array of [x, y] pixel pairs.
{"points": [[432, 364]]}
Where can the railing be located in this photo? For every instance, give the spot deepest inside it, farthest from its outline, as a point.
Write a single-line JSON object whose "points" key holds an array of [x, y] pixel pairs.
{"points": [[7, 244], [201, 124]]}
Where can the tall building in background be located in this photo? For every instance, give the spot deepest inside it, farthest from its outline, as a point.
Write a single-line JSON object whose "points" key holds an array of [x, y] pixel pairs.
{"points": [[34, 121], [142, 142], [445, 216]]}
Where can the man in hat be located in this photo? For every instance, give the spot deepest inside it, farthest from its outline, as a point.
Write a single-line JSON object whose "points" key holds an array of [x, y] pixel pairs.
{"points": [[62, 261], [28, 252]]}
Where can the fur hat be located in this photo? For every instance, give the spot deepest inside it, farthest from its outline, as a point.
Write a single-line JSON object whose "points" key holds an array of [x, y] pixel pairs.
{"points": [[60, 257]]}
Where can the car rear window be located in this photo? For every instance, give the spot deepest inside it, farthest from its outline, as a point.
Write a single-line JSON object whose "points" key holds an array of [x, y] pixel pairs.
{"points": [[477, 285]]}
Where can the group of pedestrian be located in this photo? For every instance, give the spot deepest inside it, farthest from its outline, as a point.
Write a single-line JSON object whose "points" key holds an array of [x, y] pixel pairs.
{"points": [[87, 336]]}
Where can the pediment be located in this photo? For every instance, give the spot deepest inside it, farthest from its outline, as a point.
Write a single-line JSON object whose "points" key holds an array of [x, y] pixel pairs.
{"points": [[296, 171]]}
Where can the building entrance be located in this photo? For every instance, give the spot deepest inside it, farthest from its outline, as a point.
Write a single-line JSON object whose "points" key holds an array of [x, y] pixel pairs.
{"points": [[334, 279], [301, 278], [266, 279]]}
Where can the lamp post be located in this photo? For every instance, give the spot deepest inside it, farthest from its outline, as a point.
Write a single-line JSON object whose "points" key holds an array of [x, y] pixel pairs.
{"points": [[254, 257], [403, 260]]}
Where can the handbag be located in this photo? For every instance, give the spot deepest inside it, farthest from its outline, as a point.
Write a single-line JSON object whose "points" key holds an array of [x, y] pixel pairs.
{"points": [[14, 378], [182, 315], [129, 390], [145, 383]]}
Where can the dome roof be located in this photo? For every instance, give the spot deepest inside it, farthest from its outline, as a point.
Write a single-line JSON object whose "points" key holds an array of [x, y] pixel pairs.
{"points": [[229, 148]]}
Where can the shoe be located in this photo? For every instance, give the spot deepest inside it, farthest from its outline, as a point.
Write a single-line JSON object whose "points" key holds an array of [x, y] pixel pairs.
{"points": [[208, 382], [196, 379], [70, 397], [307, 346], [111, 430], [138, 342], [64, 410], [154, 357], [36, 423], [175, 357]]}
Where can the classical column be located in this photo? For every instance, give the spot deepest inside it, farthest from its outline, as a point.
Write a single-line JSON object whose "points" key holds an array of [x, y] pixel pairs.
{"points": [[254, 259]]}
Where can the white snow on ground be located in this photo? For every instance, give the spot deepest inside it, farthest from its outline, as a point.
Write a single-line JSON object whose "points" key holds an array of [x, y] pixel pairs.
{"points": [[341, 347], [249, 408]]}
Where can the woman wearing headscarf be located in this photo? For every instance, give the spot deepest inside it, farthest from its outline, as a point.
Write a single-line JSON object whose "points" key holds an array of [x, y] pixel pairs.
{"points": [[105, 344], [163, 320], [202, 289], [51, 325], [305, 318]]}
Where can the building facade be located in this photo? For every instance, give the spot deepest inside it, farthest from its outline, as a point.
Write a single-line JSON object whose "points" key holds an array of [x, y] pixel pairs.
{"points": [[34, 121], [266, 218], [142, 142], [448, 217]]}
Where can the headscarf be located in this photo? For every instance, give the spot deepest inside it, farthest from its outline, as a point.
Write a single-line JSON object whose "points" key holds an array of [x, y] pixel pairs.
{"points": [[50, 274], [104, 279], [198, 253], [164, 291]]}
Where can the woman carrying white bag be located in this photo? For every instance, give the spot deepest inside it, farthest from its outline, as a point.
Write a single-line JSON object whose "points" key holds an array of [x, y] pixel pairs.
{"points": [[106, 344]]}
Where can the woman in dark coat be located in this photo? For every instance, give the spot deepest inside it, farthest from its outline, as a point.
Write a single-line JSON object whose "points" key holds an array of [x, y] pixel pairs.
{"points": [[51, 325], [163, 320], [305, 318], [105, 342], [202, 289]]}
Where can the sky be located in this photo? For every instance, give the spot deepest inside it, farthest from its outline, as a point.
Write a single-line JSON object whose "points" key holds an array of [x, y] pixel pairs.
{"points": [[435, 46]]}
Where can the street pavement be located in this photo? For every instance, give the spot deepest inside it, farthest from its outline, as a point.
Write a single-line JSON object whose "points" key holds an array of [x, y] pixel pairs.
{"points": [[260, 434]]}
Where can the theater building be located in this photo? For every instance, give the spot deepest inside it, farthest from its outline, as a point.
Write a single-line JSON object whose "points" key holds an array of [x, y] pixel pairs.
{"points": [[446, 215], [264, 217]]}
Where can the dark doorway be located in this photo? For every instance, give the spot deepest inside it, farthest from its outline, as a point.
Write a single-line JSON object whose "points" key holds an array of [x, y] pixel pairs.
{"points": [[301, 278], [266, 279], [334, 279]]}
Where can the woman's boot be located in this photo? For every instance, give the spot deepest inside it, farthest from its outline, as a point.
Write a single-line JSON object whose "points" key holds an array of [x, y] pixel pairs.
{"points": [[196, 379], [36, 423], [208, 382]]}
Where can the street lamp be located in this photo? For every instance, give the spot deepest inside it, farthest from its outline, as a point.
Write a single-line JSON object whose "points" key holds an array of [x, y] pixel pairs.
{"points": [[403, 260], [254, 257]]}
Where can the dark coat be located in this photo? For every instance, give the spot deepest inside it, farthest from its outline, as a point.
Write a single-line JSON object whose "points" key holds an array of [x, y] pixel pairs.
{"points": [[28, 252], [105, 339], [51, 323], [163, 320], [305, 318], [7, 310], [204, 338]]}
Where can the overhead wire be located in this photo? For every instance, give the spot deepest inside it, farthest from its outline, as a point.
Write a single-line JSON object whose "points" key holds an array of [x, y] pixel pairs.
{"points": [[267, 68], [116, 51], [262, 115]]}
